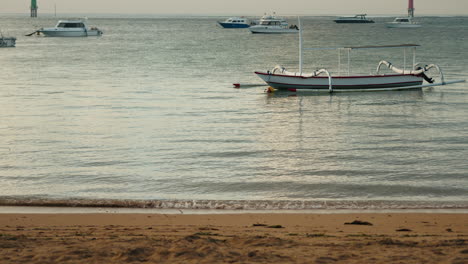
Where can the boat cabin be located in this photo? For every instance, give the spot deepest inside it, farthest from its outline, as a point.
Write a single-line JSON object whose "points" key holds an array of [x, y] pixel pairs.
{"points": [[271, 23], [74, 24], [236, 20], [361, 16], [402, 20]]}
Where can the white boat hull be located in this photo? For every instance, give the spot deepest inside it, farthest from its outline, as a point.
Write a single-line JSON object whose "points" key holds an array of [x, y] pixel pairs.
{"points": [[398, 25], [7, 42], [78, 32], [342, 83], [272, 30]]}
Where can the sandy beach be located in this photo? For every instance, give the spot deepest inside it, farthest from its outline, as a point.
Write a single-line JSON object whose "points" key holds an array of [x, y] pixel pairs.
{"points": [[234, 238]]}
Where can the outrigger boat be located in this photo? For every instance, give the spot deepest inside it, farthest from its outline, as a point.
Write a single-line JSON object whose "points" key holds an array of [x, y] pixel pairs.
{"points": [[323, 81]]}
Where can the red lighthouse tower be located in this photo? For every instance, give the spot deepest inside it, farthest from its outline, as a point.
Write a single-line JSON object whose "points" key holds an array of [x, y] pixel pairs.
{"points": [[410, 8]]}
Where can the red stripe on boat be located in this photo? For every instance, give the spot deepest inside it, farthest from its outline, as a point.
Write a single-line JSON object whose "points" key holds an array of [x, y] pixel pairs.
{"points": [[337, 77]]}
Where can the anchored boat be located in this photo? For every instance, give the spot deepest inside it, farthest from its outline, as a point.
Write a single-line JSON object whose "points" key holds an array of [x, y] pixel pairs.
{"points": [[69, 28], [361, 18], [323, 81], [235, 22], [271, 24], [403, 22]]}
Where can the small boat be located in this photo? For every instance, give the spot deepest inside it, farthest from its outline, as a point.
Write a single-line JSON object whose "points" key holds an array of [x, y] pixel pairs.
{"points": [[402, 22], [69, 28], [6, 42], [323, 81], [405, 22], [271, 24], [235, 22], [361, 18]]}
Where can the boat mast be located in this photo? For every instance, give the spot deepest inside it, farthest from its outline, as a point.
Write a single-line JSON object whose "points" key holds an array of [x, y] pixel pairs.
{"points": [[300, 45], [410, 8]]}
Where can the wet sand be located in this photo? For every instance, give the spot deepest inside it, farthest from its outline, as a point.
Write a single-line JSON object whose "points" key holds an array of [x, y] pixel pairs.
{"points": [[234, 238]]}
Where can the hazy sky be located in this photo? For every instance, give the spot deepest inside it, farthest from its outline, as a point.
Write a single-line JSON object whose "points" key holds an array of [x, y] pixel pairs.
{"points": [[240, 7]]}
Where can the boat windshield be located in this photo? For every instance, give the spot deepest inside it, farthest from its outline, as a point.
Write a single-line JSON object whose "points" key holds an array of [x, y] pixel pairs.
{"points": [[270, 23], [236, 20], [401, 20], [70, 25]]}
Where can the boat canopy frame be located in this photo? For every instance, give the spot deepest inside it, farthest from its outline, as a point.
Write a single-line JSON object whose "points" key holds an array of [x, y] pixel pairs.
{"points": [[348, 49], [416, 69]]}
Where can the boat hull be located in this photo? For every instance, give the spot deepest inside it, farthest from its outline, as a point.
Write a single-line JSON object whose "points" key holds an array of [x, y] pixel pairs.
{"points": [[54, 32], [398, 25], [233, 25], [342, 83], [269, 30], [357, 21], [7, 42]]}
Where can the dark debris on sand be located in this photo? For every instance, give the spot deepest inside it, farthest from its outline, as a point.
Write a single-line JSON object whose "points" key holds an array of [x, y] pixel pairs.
{"points": [[358, 222]]}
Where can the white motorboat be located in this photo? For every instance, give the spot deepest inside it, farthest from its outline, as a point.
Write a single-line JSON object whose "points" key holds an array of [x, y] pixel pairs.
{"points": [[271, 24], [355, 19], [70, 28], [403, 22], [323, 81], [6, 42], [235, 22]]}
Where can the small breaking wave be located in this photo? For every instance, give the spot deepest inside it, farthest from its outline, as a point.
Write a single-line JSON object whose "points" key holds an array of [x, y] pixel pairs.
{"points": [[234, 204]]}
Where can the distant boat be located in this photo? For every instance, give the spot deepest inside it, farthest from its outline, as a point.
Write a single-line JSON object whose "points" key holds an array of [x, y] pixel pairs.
{"points": [[361, 18], [403, 22], [235, 22], [271, 24], [69, 28], [6, 42]]}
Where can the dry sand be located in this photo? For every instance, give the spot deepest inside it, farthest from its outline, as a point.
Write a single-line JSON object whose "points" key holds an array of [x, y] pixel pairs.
{"points": [[234, 238]]}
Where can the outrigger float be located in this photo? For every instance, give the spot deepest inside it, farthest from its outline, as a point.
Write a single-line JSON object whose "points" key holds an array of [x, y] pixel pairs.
{"points": [[323, 81]]}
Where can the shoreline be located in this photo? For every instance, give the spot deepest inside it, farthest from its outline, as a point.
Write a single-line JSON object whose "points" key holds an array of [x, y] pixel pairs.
{"points": [[122, 210], [234, 205], [359, 237]]}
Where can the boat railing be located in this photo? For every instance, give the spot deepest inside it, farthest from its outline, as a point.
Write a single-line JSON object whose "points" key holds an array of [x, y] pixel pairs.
{"points": [[418, 68], [383, 62], [282, 70], [330, 86], [415, 70], [430, 66]]}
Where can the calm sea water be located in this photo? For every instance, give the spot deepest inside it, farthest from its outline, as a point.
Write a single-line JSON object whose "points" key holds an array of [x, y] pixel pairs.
{"points": [[147, 112]]}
